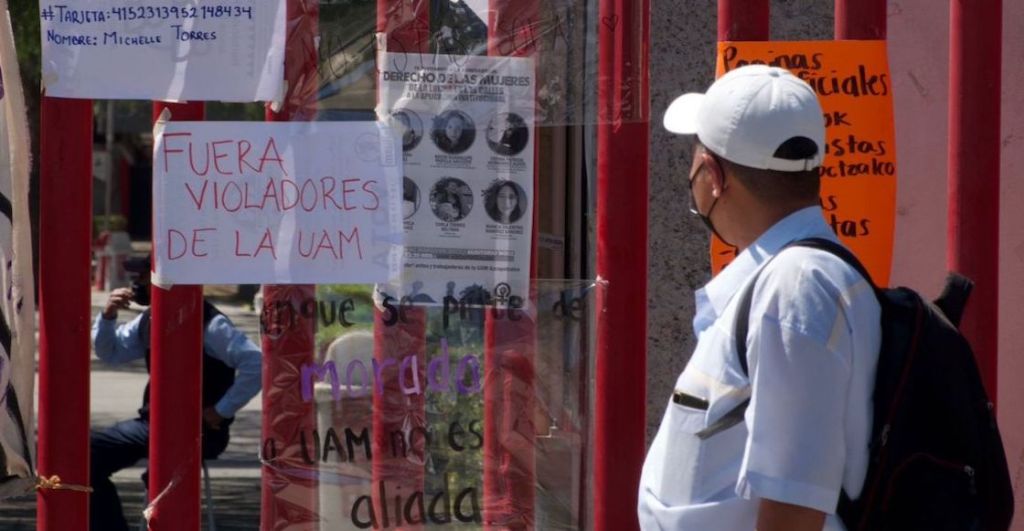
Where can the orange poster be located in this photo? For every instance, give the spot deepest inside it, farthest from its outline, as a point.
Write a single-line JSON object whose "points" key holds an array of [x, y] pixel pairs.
{"points": [[858, 187]]}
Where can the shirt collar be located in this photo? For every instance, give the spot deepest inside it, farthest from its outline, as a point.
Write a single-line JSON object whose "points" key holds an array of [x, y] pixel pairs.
{"points": [[804, 223]]}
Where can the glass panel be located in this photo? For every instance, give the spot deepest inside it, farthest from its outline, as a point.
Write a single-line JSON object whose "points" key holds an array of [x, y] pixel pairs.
{"points": [[440, 416]]}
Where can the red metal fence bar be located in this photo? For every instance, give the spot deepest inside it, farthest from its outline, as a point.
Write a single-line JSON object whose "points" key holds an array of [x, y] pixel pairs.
{"points": [[400, 431], [291, 342], [176, 364], [65, 163], [288, 497], [860, 19], [407, 25], [622, 169], [975, 78], [399, 465], [510, 346], [743, 20], [509, 431]]}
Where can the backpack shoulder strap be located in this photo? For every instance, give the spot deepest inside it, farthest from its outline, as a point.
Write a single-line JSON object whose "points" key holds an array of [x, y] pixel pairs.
{"points": [[954, 297], [840, 251], [742, 323], [742, 319]]}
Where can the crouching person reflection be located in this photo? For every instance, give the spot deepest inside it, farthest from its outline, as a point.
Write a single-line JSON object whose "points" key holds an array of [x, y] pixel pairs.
{"points": [[231, 377]]}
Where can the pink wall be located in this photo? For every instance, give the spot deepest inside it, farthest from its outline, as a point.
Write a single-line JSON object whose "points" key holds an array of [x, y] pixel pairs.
{"points": [[918, 55], [1011, 276]]}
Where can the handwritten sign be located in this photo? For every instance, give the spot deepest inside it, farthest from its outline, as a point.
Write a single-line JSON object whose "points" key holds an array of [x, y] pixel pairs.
{"points": [[858, 189], [227, 50], [406, 429], [276, 203]]}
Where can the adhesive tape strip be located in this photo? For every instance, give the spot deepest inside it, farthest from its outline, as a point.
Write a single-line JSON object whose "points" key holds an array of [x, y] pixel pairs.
{"points": [[159, 282]]}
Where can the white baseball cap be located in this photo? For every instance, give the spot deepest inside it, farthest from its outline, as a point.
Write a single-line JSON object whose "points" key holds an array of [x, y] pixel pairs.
{"points": [[749, 113]]}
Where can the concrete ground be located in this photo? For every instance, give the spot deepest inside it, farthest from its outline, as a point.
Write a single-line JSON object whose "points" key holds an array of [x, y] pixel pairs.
{"points": [[116, 393]]}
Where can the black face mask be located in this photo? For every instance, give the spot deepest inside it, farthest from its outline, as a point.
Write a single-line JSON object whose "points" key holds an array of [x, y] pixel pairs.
{"points": [[705, 218], [140, 293]]}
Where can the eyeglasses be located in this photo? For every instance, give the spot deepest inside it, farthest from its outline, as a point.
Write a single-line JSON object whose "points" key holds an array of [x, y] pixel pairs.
{"points": [[693, 177]]}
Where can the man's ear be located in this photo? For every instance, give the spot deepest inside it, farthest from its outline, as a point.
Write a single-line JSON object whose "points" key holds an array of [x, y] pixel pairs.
{"points": [[717, 173]]}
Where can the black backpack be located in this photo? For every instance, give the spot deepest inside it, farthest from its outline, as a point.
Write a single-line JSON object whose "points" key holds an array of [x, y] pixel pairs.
{"points": [[936, 458]]}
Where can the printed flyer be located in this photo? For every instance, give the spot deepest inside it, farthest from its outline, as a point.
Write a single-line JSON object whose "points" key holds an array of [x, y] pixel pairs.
{"points": [[466, 124]]}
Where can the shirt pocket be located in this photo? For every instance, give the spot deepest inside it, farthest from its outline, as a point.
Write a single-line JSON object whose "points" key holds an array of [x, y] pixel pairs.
{"points": [[694, 470], [719, 463]]}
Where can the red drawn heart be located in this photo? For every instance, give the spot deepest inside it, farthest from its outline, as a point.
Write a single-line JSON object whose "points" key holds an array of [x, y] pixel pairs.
{"points": [[611, 22]]}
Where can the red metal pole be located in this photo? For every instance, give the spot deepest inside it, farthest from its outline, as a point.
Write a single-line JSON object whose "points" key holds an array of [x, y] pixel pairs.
{"points": [[407, 25], [176, 364], [860, 19], [400, 427], [509, 431], [513, 27], [743, 20], [622, 169], [289, 499], [975, 55], [291, 340], [300, 63], [509, 346], [65, 165], [400, 421]]}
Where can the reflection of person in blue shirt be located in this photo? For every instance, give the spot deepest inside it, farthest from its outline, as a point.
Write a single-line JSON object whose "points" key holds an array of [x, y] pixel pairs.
{"points": [[231, 377]]}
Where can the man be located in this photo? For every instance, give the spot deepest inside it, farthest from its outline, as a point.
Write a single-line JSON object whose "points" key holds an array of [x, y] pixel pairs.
{"points": [[231, 377], [813, 337]]}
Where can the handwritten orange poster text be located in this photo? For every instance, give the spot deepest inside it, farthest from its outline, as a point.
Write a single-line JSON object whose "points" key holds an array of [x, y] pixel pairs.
{"points": [[858, 187]]}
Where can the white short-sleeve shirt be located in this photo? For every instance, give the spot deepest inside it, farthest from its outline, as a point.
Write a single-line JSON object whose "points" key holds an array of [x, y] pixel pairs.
{"points": [[812, 348]]}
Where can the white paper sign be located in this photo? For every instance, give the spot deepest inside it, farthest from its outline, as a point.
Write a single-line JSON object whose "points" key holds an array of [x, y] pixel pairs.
{"points": [[174, 50], [276, 203], [468, 141]]}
